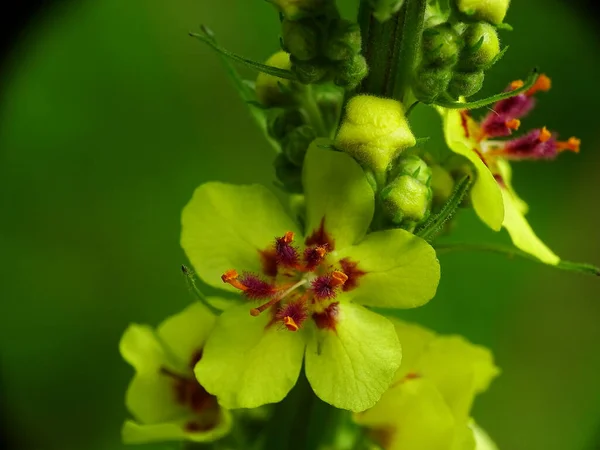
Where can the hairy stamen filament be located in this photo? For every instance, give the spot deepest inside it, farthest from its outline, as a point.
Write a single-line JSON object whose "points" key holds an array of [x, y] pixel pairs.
{"points": [[277, 298]]}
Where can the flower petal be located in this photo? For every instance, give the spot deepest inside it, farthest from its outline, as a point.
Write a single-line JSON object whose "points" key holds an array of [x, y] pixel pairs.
{"points": [[485, 193], [352, 366], [135, 433], [247, 363], [225, 226], [521, 233], [402, 270], [460, 370], [415, 416], [336, 189], [414, 340], [185, 333], [482, 439]]}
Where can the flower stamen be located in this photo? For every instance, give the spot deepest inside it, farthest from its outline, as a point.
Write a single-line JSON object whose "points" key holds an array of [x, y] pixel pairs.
{"points": [[543, 83], [572, 145], [256, 311], [231, 277]]}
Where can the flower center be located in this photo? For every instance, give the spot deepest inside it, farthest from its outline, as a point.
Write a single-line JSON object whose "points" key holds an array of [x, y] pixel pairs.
{"points": [[298, 284]]}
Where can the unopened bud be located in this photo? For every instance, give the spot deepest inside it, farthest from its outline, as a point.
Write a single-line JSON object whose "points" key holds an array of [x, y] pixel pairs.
{"points": [[350, 73], [309, 72], [492, 11], [481, 47], [430, 82], [298, 9], [442, 185], [274, 91], [344, 40], [288, 174], [465, 84], [300, 39], [415, 167], [385, 9], [441, 46], [283, 122], [296, 143], [374, 131], [406, 200]]}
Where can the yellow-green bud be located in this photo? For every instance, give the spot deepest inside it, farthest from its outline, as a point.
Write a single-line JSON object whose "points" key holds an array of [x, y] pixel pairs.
{"points": [[300, 39], [310, 72], [481, 47], [415, 167], [374, 131], [283, 122], [268, 87], [351, 72], [442, 184], [441, 45], [492, 11], [384, 9], [296, 143], [465, 84], [406, 200], [288, 174], [429, 82], [344, 40], [298, 9]]}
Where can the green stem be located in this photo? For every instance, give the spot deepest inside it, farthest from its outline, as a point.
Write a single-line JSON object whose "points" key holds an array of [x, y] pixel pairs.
{"points": [[189, 276], [381, 50], [410, 44], [514, 252], [313, 112]]}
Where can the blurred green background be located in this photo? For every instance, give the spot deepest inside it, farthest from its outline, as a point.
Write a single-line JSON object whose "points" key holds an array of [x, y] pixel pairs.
{"points": [[111, 116]]}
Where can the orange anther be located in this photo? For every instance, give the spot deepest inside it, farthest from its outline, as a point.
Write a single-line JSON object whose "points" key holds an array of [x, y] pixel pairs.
{"points": [[290, 323], [545, 135], [572, 145], [513, 124], [321, 251], [338, 278], [231, 277], [543, 83], [254, 312], [516, 84], [288, 237]]}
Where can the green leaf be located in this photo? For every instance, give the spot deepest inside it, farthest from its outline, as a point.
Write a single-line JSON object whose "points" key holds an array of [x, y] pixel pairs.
{"points": [[274, 71], [337, 191], [402, 270], [225, 227], [459, 132], [451, 104], [352, 366], [247, 362], [512, 252], [436, 222]]}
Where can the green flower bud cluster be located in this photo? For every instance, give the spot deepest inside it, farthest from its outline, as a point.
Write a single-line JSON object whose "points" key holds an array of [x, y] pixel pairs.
{"points": [[324, 48], [290, 129], [407, 198], [454, 59]]}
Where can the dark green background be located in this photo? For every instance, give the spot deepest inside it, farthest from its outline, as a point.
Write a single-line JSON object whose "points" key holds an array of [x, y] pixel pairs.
{"points": [[111, 116]]}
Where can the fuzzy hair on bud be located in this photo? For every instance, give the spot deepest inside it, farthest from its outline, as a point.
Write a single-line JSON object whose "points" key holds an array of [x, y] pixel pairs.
{"points": [[374, 131]]}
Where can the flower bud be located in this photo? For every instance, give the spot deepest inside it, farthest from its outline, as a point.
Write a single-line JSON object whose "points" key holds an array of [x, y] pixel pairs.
{"points": [[442, 185], [465, 84], [374, 131], [296, 143], [269, 90], [298, 9], [481, 47], [415, 167], [283, 122], [300, 39], [330, 101], [429, 82], [406, 201], [309, 72], [350, 73], [288, 174], [384, 9], [441, 46], [492, 11], [344, 41]]}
